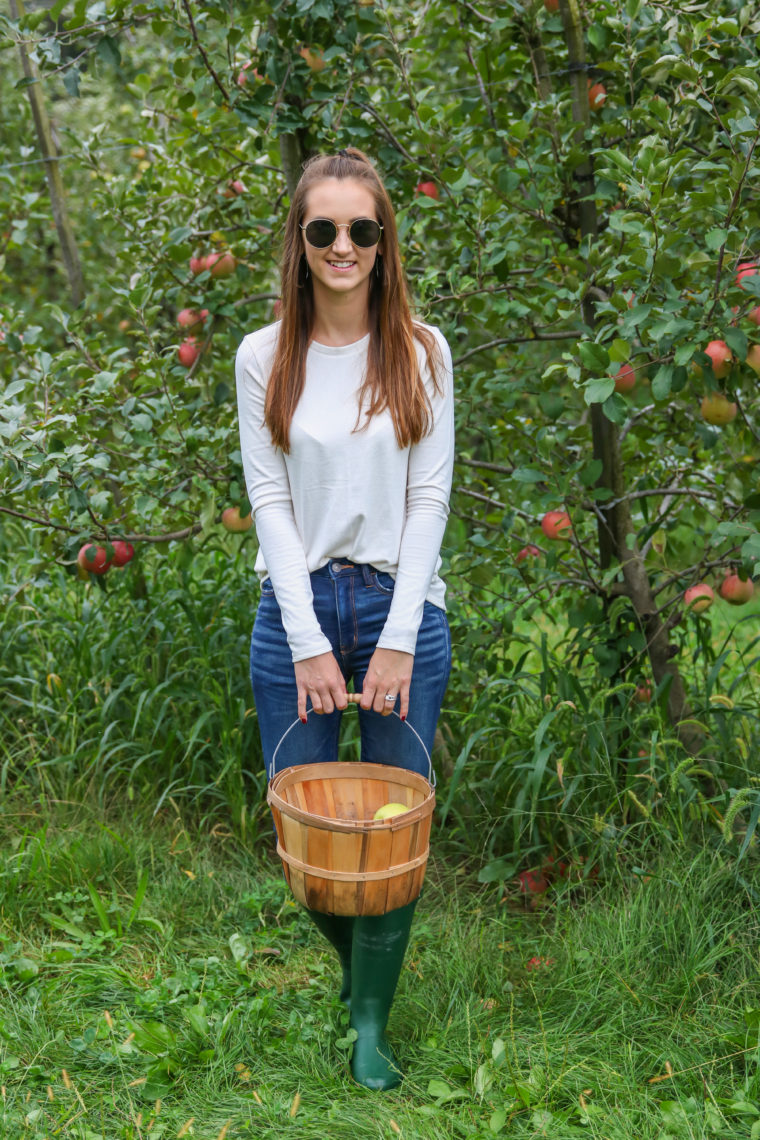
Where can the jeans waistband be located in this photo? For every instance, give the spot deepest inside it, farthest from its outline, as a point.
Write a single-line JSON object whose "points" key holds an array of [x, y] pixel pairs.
{"points": [[343, 568]]}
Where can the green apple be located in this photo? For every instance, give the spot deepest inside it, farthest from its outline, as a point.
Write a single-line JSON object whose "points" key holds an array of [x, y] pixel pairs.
{"points": [[387, 810]]}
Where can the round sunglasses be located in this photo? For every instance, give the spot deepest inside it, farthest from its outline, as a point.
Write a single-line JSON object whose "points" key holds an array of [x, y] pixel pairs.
{"points": [[322, 232]]}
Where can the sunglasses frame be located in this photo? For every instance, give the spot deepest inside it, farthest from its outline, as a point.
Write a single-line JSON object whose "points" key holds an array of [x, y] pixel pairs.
{"points": [[343, 225]]}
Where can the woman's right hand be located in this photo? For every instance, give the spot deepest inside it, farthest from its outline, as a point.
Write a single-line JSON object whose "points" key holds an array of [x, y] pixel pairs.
{"points": [[321, 679]]}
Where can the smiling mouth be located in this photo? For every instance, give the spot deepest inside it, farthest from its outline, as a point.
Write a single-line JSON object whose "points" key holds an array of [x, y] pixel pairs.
{"points": [[342, 264]]}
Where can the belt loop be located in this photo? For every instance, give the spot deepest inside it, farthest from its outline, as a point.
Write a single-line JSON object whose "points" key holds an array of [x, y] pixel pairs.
{"points": [[367, 572]]}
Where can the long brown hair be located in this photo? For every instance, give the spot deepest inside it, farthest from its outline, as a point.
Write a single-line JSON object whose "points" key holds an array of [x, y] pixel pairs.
{"points": [[392, 379]]}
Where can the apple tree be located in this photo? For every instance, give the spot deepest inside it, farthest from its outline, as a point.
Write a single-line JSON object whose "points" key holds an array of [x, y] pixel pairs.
{"points": [[575, 200]]}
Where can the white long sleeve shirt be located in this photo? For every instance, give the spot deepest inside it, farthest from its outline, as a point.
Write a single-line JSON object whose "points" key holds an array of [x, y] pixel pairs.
{"points": [[343, 493]]}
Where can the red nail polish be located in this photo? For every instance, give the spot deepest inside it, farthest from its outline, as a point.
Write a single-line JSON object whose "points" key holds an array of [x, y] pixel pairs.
{"points": [[303, 720], [403, 716]]}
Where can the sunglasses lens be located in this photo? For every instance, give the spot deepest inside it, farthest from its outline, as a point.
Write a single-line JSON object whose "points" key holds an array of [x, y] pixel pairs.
{"points": [[365, 232], [321, 233]]}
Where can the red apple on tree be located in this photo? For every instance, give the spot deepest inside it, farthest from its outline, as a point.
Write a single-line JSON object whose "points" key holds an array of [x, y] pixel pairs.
{"points": [[221, 264], [94, 558], [746, 269], [754, 315], [717, 409], [313, 58], [735, 590], [233, 189], [643, 693], [753, 358], [699, 598], [198, 265], [123, 552], [189, 351], [597, 94], [529, 551], [721, 358], [245, 75], [625, 379], [234, 521], [192, 319], [429, 189], [557, 525]]}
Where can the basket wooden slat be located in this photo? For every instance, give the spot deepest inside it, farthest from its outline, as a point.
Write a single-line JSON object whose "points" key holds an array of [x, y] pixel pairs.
{"points": [[336, 857]]}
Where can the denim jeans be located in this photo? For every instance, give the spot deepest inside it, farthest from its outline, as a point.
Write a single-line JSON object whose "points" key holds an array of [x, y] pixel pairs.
{"points": [[351, 603]]}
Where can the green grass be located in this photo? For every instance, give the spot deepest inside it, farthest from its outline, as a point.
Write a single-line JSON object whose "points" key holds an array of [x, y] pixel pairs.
{"points": [[154, 971]]}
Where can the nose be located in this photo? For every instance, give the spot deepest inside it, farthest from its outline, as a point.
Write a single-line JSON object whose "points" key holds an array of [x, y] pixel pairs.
{"points": [[342, 243]]}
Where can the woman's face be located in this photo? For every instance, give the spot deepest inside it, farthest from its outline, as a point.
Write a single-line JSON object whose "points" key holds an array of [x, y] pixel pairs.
{"points": [[342, 268]]}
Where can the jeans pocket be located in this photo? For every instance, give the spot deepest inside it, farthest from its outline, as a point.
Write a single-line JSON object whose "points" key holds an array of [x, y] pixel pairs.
{"points": [[383, 582]]}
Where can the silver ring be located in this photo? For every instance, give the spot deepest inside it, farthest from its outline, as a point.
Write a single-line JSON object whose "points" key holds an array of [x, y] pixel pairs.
{"points": [[390, 697]]}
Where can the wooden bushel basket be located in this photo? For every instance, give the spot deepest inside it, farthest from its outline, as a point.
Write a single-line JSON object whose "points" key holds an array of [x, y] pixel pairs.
{"points": [[337, 859]]}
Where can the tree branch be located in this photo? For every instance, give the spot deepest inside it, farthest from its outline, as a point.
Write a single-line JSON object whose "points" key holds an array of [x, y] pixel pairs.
{"points": [[205, 58]]}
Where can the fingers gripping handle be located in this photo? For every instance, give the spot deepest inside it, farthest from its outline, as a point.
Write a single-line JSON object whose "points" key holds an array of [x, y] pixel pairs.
{"points": [[354, 699]]}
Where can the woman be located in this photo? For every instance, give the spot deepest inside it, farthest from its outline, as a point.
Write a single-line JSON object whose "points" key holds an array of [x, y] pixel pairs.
{"points": [[347, 436]]}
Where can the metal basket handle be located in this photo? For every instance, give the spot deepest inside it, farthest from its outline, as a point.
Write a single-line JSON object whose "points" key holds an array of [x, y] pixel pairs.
{"points": [[355, 699]]}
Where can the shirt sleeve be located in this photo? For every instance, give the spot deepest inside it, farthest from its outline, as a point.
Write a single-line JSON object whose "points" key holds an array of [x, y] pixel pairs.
{"points": [[431, 464], [268, 487]]}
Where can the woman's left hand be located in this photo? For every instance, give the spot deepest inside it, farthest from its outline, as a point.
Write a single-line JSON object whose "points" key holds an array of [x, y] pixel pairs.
{"points": [[389, 672]]}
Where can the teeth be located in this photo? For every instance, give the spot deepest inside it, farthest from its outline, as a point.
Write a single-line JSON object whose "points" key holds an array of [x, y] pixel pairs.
{"points": [[341, 264]]}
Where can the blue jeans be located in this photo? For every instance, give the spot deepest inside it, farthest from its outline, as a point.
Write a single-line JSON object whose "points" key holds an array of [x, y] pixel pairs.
{"points": [[351, 603]]}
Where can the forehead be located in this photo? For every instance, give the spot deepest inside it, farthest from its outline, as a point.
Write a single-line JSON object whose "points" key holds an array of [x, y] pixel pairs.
{"points": [[340, 199]]}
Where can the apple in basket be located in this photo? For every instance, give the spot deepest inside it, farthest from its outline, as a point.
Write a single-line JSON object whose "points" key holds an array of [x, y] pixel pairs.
{"points": [[388, 810]]}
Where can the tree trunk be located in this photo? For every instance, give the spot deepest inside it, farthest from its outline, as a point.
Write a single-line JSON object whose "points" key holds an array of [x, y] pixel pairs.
{"points": [[69, 249], [616, 532], [292, 155]]}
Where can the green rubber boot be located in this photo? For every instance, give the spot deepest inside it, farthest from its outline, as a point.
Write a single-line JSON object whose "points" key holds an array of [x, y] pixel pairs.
{"points": [[339, 932], [379, 947]]}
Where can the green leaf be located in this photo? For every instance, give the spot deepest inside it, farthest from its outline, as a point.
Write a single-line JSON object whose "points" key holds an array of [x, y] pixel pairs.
{"points": [[108, 50], [497, 871], [736, 341], [196, 1015], [662, 382], [620, 351], [498, 1120], [589, 474], [593, 356], [238, 948], [527, 475], [26, 969], [597, 391], [714, 239], [71, 82], [182, 233]]}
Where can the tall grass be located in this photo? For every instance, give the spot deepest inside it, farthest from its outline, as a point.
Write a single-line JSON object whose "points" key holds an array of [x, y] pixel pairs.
{"points": [[139, 682]]}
